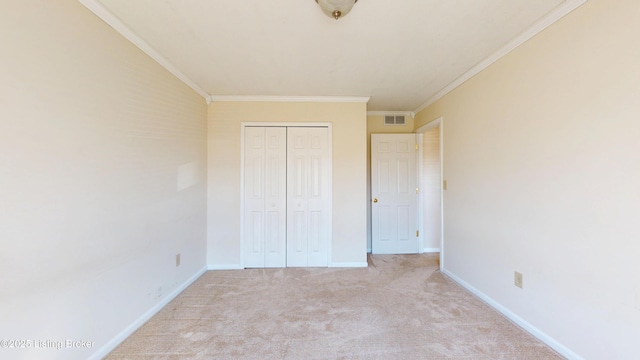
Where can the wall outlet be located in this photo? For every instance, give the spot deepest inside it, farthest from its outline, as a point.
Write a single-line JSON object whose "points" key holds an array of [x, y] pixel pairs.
{"points": [[177, 260], [517, 279]]}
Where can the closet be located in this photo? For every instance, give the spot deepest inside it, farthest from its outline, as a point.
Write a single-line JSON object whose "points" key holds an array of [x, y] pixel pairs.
{"points": [[286, 196]]}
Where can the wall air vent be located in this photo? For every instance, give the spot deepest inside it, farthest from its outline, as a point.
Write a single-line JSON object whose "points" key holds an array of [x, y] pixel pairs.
{"points": [[394, 120]]}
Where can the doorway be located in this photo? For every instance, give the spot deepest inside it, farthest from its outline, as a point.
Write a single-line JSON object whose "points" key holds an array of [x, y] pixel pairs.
{"points": [[431, 207]]}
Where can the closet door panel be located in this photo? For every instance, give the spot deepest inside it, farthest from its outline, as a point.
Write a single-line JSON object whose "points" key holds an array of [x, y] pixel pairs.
{"points": [[308, 191], [254, 197], [265, 197], [276, 197], [319, 211], [296, 198]]}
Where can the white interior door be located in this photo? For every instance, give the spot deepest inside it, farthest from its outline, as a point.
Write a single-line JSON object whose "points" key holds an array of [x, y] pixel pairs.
{"points": [[308, 212], [265, 197], [394, 194]]}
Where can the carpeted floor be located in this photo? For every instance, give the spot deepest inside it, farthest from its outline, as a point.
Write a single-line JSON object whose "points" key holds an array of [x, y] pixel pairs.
{"points": [[400, 307]]}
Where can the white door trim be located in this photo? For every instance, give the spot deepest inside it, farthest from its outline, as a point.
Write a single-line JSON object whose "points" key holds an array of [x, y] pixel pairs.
{"points": [[243, 125], [285, 124], [420, 199], [428, 126]]}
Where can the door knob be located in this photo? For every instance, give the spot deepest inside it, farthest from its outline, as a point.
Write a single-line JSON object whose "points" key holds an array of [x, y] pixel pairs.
{"points": [[375, 200]]}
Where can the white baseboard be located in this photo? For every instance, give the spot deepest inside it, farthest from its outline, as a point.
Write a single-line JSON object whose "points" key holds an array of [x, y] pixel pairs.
{"points": [[425, 250], [113, 343], [332, 265], [542, 336], [225, 267], [349, 265]]}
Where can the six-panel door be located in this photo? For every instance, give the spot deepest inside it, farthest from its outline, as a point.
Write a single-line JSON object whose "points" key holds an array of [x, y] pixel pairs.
{"points": [[394, 194]]}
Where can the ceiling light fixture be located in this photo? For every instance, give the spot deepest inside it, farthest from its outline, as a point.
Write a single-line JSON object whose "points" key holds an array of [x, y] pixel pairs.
{"points": [[336, 8]]}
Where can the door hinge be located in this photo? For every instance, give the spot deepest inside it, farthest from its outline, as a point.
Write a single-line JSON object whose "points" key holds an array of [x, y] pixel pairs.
{"points": [[417, 190], [417, 147], [417, 233]]}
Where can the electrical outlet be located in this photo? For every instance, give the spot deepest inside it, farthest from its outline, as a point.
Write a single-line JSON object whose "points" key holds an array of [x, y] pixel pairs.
{"points": [[177, 260], [517, 279]]}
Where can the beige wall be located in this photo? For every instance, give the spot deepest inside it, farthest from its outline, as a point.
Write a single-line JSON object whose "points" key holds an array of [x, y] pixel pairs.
{"points": [[349, 174], [102, 179], [541, 156], [375, 125], [431, 190]]}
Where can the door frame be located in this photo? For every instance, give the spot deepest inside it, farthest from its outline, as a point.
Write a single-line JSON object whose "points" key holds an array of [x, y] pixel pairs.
{"points": [[285, 124], [439, 122]]}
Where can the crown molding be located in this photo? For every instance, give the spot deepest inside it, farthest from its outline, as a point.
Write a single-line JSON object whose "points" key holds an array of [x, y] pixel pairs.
{"points": [[557, 14], [312, 99], [108, 17]]}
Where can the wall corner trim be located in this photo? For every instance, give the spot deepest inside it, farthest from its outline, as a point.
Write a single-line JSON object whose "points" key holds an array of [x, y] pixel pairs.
{"points": [[555, 15], [108, 17], [113, 343], [542, 336]]}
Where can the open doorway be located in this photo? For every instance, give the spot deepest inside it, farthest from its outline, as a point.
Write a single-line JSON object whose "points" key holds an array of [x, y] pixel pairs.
{"points": [[431, 187]]}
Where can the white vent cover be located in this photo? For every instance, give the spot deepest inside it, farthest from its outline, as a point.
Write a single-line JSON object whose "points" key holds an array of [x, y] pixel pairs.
{"points": [[394, 120]]}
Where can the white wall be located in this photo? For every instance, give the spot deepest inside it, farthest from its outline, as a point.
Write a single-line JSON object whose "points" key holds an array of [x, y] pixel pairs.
{"points": [[542, 161], [349, 137], [102, 179]]}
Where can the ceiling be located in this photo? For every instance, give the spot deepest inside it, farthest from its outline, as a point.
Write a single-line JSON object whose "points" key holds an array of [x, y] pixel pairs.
{"points": [[400, 53]]}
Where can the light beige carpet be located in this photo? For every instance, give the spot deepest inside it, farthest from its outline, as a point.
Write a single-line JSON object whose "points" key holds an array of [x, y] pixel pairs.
{"points": [[400, 307]]}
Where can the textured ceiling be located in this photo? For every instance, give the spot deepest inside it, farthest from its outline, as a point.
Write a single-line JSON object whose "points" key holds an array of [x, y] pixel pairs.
{"points": [[400, 53]]}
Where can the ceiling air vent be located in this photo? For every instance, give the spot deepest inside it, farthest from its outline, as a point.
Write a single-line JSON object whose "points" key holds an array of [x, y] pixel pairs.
{"points": [[394, 120]]}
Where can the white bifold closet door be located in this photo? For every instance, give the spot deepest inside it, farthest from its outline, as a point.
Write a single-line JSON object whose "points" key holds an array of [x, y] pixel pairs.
{"points": [[307, 194], [265, 188], [286, 194]]}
